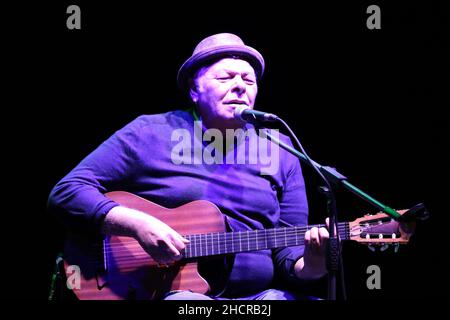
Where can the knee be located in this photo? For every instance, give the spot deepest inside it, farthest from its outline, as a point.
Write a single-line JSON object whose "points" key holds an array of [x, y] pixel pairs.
{"points": [[275, 294], [186, 295]]}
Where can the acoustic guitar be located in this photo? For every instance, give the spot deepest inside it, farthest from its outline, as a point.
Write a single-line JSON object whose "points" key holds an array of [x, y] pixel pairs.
{"points": [[118, 267]]}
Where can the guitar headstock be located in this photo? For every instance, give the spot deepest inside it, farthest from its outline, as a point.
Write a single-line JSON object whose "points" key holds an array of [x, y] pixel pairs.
{"points": [[381, 230]]}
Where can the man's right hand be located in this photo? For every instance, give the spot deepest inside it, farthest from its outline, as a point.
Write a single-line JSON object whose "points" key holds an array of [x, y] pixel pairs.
{"points": [[159, 240]]}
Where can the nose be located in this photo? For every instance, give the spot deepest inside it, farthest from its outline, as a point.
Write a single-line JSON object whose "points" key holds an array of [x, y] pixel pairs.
{"points": [[239, 85]]}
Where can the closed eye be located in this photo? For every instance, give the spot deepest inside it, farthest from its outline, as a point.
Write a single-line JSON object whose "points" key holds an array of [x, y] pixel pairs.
{"points": [[224, 78], [227, 78]]}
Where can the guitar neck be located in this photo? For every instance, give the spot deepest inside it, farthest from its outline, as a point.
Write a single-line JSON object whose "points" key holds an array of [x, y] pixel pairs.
{"points": [[209, 244]]}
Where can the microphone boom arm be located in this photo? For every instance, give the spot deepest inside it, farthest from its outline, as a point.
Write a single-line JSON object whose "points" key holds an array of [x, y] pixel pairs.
{"points": [[335, 177]]}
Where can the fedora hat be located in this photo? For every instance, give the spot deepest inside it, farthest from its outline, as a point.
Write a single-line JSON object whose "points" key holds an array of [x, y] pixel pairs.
{"points": [[214, 48]]}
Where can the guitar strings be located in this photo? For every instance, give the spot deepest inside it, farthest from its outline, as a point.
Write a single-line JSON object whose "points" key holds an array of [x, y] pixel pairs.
{"points": [[225, 240], [127, 258], [126, 254], [202, 239], [142, 257], [138, 258], [130, 251], [289, 230]]}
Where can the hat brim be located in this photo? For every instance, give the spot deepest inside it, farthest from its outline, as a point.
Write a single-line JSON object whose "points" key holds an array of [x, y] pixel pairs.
{"points": [[203, 58]]}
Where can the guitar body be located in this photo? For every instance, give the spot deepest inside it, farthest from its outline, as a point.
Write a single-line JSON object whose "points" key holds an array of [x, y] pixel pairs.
{"points": [[118, 267]]}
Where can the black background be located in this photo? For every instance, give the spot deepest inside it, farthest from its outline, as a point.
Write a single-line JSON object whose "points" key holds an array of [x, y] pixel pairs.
{"points": [[369, 102]]}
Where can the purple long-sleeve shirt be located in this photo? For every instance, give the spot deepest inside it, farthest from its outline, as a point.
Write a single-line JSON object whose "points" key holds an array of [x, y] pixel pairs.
{"points": [[139, 159]]}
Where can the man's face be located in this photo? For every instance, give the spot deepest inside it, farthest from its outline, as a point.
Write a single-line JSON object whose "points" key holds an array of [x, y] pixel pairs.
{"points": [[222, 87]]}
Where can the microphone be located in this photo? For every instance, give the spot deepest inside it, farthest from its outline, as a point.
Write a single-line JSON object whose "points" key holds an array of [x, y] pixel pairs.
{"points": [[253, 116]]}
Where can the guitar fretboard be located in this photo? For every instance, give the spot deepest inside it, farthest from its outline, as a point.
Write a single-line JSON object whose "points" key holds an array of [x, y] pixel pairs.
{"points": [[209, 244]]}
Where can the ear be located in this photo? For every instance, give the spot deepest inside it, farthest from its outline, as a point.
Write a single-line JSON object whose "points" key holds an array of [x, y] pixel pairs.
{"points": [[193, 90]]}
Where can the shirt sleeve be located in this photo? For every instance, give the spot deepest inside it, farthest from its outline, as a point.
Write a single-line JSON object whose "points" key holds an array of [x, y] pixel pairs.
{"points": [[78, 199], [293, 212]]}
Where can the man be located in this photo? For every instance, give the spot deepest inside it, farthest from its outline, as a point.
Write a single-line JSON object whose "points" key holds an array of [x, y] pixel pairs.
{"points": [[220, 76]]}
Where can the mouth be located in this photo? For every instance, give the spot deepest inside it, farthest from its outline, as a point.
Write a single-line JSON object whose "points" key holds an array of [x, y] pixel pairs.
{"points": [[236, 102]]}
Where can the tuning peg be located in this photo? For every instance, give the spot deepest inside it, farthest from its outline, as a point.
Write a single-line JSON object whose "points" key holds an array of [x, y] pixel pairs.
{"points": [[396, 247], [384, 247], [371, 248]]}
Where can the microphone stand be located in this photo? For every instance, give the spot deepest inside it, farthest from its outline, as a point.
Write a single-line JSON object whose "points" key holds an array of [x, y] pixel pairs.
{"points": [[333, 249]]}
